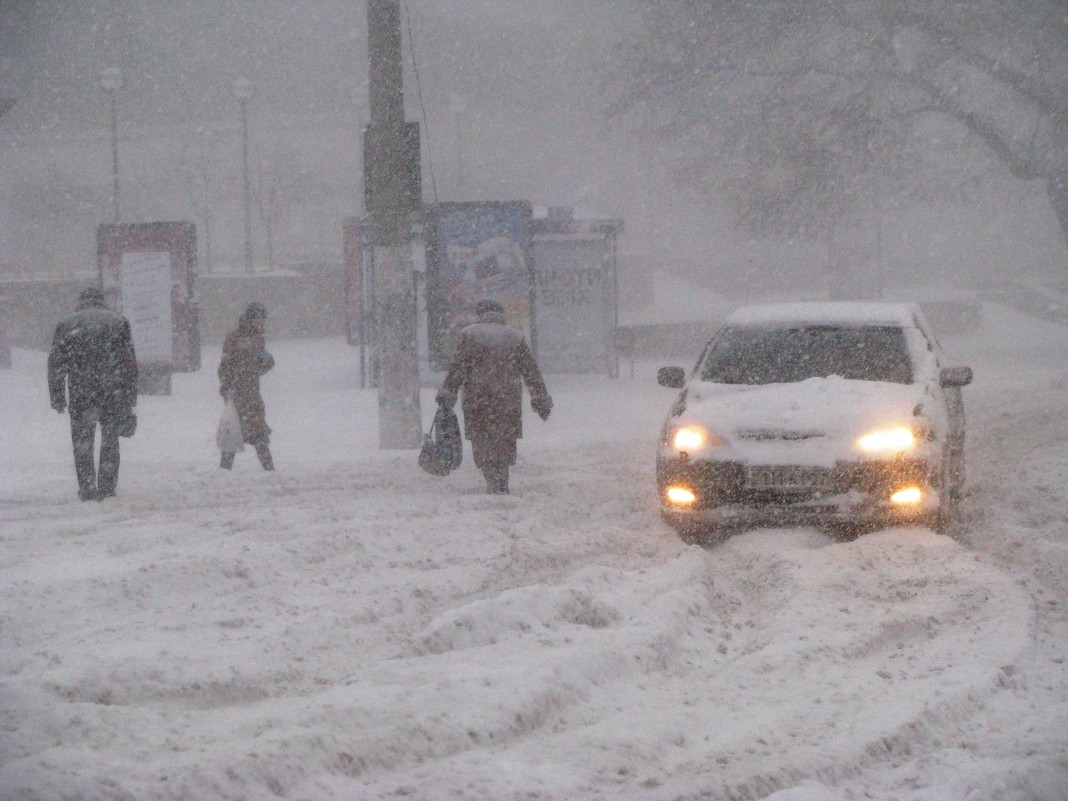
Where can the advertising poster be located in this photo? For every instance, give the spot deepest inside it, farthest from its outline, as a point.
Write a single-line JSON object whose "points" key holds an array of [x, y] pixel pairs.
{"points": [[475, 251], [575, 304], [146, 302], [163, 260]]}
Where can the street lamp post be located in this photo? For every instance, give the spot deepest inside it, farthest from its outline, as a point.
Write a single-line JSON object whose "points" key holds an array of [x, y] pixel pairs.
{"points": [[112, 81], [243, 91], [457, 105]]}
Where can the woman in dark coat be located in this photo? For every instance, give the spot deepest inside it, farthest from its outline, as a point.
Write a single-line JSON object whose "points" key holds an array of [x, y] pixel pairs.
{"points": [[244, 360], [490, 361]]}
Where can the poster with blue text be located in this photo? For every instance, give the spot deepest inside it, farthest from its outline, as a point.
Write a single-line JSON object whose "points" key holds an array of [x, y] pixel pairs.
{"points": [[477, 251]]}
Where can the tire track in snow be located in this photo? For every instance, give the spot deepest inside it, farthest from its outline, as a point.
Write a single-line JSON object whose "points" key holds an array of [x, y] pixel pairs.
{"points": [[961, 603]]}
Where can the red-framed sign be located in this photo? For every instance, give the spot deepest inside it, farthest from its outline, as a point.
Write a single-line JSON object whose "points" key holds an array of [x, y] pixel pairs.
{"points": [[148, 272]]}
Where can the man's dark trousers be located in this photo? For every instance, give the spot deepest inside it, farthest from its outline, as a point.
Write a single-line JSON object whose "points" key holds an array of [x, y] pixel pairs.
{"points": [[83, 434]]}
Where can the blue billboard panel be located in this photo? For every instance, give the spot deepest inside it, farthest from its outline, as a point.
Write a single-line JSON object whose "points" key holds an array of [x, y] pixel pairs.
{"points": [[477, 251]]}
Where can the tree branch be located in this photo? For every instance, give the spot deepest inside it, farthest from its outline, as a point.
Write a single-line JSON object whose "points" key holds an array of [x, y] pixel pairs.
{"points": [[1050, 101]]}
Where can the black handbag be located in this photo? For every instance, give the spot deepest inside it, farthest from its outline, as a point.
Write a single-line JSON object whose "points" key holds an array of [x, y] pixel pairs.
{"points": [[443, 447], [127, 426]]}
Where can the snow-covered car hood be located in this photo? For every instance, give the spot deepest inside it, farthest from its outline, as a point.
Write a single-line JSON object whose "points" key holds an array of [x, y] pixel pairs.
{"points": [[812, 422]]}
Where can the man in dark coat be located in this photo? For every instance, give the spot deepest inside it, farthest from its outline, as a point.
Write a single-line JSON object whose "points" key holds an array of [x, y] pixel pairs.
{"points": [[92, 371], [490, 359], [244, 360]]}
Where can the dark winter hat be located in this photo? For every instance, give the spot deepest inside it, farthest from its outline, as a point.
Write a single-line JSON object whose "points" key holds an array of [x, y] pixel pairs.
{"points": [[486, 306], [255, 311], [91, 295]]}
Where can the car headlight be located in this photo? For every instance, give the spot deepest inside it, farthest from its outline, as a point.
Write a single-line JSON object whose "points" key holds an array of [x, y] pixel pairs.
{"points": [[680, 496], [888, 440], [908, 496], [692, 437]]}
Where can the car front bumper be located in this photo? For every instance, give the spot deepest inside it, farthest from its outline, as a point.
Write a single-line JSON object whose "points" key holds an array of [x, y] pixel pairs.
{"points": [[852, 493]]}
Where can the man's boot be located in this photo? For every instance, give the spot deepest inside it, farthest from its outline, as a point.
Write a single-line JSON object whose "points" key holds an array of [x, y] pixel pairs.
{"points": [[263, 451], [496, 474], [83, 434], [227, 461], [107, 476]]}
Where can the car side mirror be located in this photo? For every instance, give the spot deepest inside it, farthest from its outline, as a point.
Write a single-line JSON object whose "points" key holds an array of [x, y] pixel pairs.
{"points": [[955, 376], [671, 377]]}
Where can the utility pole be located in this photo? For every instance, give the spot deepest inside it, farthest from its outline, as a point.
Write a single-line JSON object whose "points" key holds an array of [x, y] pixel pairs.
{"points": [[400, 421], [112, 82]]}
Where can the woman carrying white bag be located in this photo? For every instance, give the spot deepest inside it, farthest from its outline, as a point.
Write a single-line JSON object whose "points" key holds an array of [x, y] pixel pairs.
{"points": [[244, 360], [228, 436]]}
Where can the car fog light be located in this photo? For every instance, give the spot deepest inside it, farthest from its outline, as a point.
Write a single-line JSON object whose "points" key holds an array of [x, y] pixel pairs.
{"points": [[680, 496], [907, 496]]}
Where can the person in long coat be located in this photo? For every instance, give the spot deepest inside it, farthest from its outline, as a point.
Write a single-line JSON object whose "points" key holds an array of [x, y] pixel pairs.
{"points": [[244, 360], [490, 362], [92, 370]]}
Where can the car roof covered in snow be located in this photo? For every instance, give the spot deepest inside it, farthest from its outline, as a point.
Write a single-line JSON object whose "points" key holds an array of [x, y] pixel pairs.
{"points": [[847, 313]]}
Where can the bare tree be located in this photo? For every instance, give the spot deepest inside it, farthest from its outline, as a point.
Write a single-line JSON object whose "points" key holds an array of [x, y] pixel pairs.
{"points": [[49, 219], [281, 185], [800, 112], [197, 167], [272, 189]]}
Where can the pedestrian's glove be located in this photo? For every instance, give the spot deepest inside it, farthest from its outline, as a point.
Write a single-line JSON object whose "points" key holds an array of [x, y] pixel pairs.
{"points": [[446, 400], [227, 394], [542, 404], [59, 406]]}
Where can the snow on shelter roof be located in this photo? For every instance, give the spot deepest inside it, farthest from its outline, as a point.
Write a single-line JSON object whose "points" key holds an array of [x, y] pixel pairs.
{"points": [[829, 312]]}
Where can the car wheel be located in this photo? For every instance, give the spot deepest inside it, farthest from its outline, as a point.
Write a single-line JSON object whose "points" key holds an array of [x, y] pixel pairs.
{"points": [[945, 519], [844, 532], [691, 532]]}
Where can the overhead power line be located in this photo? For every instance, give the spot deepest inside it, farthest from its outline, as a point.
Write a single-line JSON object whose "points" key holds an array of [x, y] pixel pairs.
{"points": [[422, 108]]}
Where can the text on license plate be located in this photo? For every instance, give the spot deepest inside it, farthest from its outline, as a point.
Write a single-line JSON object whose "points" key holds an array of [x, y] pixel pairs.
{"points": [[787, 477]]}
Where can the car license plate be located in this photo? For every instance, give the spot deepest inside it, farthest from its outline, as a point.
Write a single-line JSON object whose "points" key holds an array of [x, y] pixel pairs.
{"points": [[788, 477]]}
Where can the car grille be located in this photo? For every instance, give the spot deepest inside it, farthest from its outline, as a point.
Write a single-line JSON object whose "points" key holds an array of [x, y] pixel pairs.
{"points": [[765, 434]]}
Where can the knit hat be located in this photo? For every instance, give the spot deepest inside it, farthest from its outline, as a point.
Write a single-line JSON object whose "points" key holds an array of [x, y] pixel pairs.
{"points": [[486, 306], [92, 295], [255, 311]]}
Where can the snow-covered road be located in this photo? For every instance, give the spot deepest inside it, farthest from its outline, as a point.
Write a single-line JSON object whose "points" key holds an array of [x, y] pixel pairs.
{"points": [[352, 628]]}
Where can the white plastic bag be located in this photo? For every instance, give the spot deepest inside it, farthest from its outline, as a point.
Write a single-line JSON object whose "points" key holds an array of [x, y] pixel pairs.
{"points": [[228, 436]]}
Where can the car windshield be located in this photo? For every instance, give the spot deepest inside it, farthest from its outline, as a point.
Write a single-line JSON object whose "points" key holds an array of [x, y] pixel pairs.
{"points": [[786, 355]]}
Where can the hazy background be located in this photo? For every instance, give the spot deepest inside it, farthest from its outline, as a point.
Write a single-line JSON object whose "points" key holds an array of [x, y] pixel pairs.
{"points": [[515, 93]]}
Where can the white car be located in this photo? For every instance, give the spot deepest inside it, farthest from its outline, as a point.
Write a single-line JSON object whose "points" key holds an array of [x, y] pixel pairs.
{"points": [[840, 414]]}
